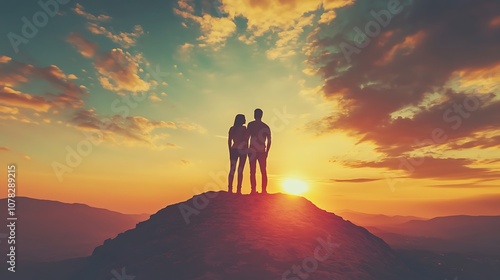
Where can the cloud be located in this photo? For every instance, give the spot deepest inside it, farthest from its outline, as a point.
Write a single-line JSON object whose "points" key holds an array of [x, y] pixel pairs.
{"points": [[185, 162], [417, 79], [11, 97], [124, 39], [287, 39], [118, 69], [133, 130], [5, 149], [95, 26], [80, 10], [5, 59], [185, 50], [129, 130], [9, 110], [356, 180], [429, 167], [481, 80], [286, 19], [478, 142], [85, 47], [214, 30], [13, 74], [155, 98], [269, 15], [472, 185], [327, 17], [190, 126], [409, 44]]}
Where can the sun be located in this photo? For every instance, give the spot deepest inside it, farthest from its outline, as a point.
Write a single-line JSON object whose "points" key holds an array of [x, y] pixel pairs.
{"points": [[295, 186]]}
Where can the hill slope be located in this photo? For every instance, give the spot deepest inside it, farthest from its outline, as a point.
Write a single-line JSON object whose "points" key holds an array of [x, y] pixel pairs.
{"points": [[52, 230], [245, 237]]}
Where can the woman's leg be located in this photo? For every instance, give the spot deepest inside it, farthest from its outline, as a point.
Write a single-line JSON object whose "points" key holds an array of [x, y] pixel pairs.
{"points": [[232, 159], [241, 166]]}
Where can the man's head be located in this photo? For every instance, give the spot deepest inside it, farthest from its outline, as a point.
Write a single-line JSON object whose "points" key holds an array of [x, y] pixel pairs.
{"points": [[257, 114]]}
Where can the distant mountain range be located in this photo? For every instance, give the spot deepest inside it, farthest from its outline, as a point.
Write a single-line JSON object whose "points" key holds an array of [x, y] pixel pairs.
{"points": [[461, 234], [52, 231], [368, 220]]}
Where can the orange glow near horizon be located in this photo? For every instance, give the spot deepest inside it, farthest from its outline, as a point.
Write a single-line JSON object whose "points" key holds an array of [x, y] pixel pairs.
{"points": [[295, 186], [132, 114]]}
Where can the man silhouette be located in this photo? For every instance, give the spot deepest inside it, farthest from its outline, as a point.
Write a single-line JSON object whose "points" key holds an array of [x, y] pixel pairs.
{"points": [[259, 133]]}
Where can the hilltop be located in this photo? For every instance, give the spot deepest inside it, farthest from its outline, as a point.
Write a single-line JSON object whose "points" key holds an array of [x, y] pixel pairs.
{"points": [[217, 235]]}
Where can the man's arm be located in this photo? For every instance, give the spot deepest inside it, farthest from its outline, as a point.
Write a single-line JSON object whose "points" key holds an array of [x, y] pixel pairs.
{"points": [[268, 140]]}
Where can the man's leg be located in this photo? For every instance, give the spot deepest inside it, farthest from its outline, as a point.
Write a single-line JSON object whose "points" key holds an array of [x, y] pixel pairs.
{"points": [[263, 170], [252, 158]]}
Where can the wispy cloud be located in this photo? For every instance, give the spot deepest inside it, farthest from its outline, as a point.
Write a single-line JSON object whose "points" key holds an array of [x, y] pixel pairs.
{"points": [[80, 10], [124, 39], [85, 47], [133, 130], [356, 180], [190, 126], [96, 26]]}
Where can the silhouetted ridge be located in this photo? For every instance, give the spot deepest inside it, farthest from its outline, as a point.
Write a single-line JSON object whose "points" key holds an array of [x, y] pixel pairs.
{"points": [[255, 237]]}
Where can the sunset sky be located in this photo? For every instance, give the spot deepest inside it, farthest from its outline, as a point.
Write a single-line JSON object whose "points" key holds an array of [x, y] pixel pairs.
{"points": [[126, 105]]}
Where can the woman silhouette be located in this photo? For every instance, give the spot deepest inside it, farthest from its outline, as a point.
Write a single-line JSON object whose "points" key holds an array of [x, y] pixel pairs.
{"points": [[238, 148]]}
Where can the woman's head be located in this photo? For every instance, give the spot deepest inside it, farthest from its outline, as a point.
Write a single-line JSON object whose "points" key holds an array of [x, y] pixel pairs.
{"points": [[239, 120]]}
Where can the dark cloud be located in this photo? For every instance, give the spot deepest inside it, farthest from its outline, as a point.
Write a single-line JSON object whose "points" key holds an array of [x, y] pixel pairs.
{"points": [[482, 143], [430, 167], [412, 65], [473, 185]]}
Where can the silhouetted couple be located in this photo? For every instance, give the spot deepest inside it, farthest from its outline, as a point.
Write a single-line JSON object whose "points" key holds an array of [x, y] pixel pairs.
{"points": [[259, 135]]}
